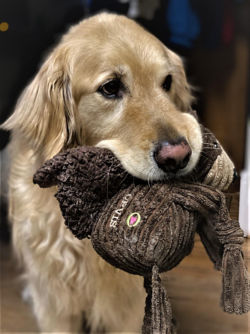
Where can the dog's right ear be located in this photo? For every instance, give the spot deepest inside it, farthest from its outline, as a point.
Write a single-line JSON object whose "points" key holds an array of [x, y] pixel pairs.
{"points": [[46, 113]]}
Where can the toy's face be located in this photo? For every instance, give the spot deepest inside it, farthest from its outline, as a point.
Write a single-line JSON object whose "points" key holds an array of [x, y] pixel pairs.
{"points": [[134, 100]]}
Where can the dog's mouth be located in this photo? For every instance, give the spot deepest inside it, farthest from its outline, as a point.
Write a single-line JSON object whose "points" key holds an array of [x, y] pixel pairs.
{"points": [[164, 162], [175, 172]]}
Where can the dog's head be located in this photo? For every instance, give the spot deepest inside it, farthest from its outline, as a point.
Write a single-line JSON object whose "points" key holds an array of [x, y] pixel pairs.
{"points": [[112, 84]]}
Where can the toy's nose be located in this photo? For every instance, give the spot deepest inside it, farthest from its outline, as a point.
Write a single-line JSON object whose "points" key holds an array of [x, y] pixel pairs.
{"points": [[171, 157]]}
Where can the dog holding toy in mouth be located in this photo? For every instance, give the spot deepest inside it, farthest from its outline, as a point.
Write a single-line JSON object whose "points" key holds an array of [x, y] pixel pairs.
{"points": [[108, 83]]}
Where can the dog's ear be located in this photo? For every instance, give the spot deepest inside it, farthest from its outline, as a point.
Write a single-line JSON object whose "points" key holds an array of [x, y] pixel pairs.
{"points": [[182, 90], [46, 112]]}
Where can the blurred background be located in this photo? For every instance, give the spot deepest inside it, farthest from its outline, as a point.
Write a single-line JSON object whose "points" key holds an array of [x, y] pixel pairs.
{"points": [[212, 36]]}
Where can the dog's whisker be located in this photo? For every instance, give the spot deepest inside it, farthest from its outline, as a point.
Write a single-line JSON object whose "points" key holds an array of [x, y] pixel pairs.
{"points": [[151, 176]]}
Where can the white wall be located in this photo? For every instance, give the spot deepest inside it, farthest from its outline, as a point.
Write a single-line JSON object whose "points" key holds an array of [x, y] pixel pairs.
{"points": [[244, 212]]}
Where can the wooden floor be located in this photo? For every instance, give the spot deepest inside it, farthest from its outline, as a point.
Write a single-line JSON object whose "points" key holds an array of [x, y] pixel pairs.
{"points": [[194, 288]]}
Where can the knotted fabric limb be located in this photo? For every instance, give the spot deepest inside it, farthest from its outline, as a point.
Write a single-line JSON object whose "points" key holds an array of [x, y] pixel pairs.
{"points": [[236, 288], [158, 312]]}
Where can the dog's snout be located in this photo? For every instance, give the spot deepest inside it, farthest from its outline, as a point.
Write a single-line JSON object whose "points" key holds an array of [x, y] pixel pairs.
{"points": [[171, 157]]}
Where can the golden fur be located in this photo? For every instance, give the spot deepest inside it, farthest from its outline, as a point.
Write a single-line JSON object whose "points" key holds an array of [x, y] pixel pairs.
{"points": [[61, 108]]}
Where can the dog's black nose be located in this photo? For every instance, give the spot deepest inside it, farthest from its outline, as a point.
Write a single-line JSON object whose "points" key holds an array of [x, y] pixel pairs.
{"points": [[171, 157]]}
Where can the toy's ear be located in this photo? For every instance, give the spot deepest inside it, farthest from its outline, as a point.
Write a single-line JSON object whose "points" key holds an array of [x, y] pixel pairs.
{"points": [[46, 176]]}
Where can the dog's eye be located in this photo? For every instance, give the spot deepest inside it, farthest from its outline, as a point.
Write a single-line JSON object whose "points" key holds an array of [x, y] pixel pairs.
{"points": [[111, 89], [167, 83]]}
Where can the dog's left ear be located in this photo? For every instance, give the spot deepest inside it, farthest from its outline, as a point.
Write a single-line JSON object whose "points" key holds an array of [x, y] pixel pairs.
{"points": [[182, 90]]}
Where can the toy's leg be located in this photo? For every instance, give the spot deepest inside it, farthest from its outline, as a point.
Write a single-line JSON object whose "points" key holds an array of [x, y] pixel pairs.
{"points": [[225, 251], [236, 284], [158, 311], [228, 238]]}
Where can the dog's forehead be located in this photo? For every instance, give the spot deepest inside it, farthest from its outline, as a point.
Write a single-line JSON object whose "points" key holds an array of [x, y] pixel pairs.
{"points": [[109, 44], [126, 60], [113, 37]]}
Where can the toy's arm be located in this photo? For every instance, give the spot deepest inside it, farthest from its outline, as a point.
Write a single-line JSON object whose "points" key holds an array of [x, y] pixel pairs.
{"points": [[214, 168], [222, 172]]}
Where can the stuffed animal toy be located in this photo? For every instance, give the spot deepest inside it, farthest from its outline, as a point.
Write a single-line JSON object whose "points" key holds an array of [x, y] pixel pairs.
{"points": [[146, 229]]}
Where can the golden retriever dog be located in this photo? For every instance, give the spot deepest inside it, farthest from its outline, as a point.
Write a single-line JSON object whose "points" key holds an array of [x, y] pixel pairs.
{"points": [[108, 83]]}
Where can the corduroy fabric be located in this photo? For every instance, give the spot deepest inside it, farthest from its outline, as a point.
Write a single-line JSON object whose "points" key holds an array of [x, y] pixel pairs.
{"points": [[83, 176], [147, 229], [88, 177]]}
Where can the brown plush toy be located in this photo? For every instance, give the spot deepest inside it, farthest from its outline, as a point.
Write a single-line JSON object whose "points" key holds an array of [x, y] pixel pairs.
{"points": [[147, 229]]}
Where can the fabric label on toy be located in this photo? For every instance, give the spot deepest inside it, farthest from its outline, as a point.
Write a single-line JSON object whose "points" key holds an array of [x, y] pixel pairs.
{"points": [[133, 219], [118, 212]]}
